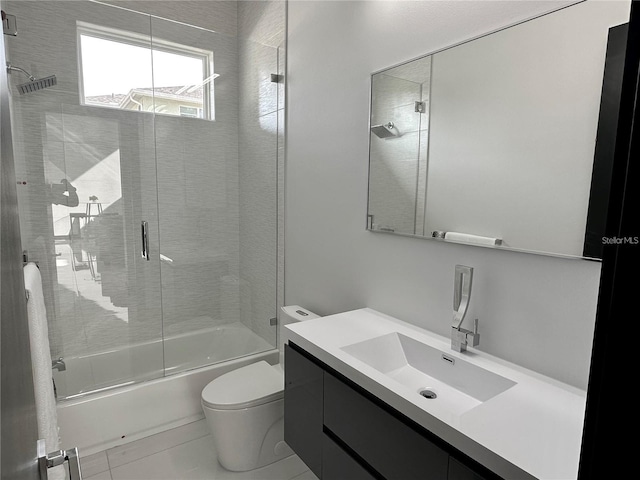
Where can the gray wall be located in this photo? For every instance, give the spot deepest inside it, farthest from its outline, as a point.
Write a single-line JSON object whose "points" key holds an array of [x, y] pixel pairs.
{"points": [[218, 15], [535, 311]]}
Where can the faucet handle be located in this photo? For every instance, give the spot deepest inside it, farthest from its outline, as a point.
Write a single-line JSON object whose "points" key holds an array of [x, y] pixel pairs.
{"points": [[475, 336]]}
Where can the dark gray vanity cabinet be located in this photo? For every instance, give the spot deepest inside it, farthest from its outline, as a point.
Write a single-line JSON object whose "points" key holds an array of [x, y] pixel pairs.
{"points": [[390, 447], [458, 471], [344, 433], [337, 464], [303, 402]]}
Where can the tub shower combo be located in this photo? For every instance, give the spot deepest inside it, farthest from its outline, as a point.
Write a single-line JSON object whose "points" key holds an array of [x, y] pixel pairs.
{"points": [[148, 160]]}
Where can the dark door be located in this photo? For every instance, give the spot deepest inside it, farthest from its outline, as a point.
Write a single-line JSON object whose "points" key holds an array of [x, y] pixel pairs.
{"points": [[605, 141], [18, 413]]}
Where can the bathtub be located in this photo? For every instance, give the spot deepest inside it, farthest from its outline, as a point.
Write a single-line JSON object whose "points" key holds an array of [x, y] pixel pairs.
{"points": [[150, 360], [109, 409]]}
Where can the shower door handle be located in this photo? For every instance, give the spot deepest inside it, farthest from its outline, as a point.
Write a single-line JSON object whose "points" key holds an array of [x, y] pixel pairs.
{"points": [[145, 240]]}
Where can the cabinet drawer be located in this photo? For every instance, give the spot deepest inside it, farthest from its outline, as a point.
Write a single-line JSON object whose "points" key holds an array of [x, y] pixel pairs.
{"points": [[458, 471], [392, 448], [339, 465], [303, 408]]}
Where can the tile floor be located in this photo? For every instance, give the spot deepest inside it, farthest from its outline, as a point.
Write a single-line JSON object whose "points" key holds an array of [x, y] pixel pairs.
{"points": [[185, 452]]}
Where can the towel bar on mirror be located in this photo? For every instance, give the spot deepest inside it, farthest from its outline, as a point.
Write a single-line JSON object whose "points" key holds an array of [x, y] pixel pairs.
{"points": [[58, 457]]}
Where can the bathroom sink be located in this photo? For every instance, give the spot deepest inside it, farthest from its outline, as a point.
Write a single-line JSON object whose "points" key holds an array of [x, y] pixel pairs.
{"points": [[445, 382]]}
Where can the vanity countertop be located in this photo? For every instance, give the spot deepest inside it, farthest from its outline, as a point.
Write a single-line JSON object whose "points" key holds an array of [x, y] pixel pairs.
{"points": [[536, 425]]}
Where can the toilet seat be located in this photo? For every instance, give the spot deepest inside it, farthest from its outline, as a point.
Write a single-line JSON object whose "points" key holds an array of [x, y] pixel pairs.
{"points": [[245, 387]]}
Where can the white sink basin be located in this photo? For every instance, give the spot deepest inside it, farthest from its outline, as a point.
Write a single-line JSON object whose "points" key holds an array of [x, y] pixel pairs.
{"points": [[458, 385]]}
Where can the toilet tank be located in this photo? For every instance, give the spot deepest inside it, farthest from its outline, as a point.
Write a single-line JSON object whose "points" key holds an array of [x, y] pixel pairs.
{"points": [[291, 314]]}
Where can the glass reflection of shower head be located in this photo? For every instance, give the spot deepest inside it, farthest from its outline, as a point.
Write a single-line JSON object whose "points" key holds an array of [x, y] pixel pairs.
{"points": [[34, 84], [385, 131]]}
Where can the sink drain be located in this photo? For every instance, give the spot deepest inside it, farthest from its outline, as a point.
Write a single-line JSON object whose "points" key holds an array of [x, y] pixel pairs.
{"points": [[428, 393]]}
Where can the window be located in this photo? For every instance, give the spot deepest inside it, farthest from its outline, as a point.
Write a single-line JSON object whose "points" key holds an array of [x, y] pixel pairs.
{"points": [[128, 71], [195, 112]]}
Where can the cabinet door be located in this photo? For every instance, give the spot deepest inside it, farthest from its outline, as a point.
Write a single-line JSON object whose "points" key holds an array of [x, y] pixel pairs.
{"points": [[303, 406], [391, 447], [339, 465]]}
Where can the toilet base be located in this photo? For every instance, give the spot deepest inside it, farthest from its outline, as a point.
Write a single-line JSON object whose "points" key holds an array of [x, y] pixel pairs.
{"points": [[249, 438]]}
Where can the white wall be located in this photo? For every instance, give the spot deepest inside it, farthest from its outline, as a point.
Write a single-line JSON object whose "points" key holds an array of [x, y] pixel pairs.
{"points": [[534, 310]]}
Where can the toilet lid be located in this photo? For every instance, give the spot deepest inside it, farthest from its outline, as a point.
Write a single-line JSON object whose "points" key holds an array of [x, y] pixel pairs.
{"points": [[244, 387]]}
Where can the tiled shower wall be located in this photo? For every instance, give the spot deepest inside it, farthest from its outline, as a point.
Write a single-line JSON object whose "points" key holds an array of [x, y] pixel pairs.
{"points": [[217, 182]]}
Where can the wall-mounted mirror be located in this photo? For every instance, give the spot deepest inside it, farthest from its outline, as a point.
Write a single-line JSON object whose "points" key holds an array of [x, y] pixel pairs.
{"points": [[493, 141]]}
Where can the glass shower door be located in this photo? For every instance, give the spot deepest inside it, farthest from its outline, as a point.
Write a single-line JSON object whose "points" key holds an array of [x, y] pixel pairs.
{"points": [[208, 300], [154, 124], [86, 161]]}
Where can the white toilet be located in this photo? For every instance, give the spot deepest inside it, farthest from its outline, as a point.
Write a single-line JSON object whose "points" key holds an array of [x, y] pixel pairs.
{"points": [[245, 410]]}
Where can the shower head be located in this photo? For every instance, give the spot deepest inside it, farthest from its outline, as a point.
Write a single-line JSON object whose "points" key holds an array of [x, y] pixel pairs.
{"points": [[37, 84], [34, 83], [385, 131]]}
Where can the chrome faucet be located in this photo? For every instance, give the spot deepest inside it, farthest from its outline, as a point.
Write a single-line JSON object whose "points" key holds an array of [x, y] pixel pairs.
{"points": [[461, 337]]}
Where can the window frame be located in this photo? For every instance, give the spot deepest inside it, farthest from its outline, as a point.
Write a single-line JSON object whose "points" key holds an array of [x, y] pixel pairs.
{"points": [[152, 44]]}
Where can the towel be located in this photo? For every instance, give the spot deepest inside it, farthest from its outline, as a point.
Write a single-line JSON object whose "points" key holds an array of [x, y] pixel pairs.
{"points": [[473, 239], [41, 364]]}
